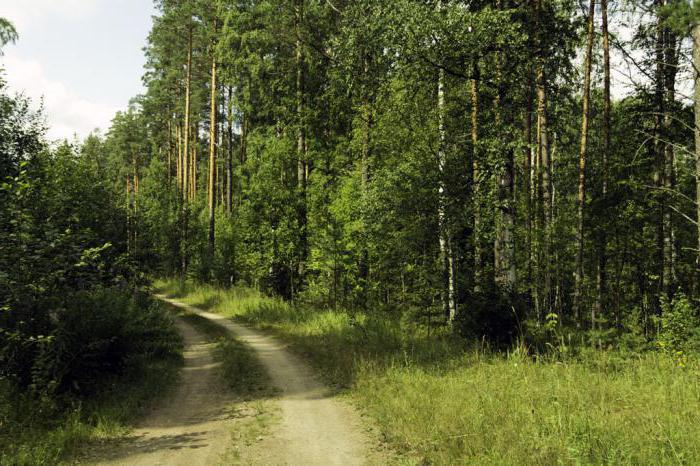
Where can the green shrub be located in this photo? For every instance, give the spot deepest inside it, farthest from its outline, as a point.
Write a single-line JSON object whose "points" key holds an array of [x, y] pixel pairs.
{"points": [[110, 352], [679, 331], [102, 332]]}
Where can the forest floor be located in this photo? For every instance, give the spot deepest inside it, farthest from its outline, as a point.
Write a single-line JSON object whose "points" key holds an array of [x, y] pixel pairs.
{"points": [[204, 423]]}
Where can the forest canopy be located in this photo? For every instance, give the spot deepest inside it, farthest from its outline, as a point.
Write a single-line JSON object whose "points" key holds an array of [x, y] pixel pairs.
{"points": [[456, 161]]}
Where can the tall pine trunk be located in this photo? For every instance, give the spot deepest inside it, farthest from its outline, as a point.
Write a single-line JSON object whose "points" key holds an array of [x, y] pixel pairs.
{"points": [[527, 179], [579, 276], [186, 126], [229, 154], [670, 69], [212, 158], [660, 156], [601, 279], [696, 66], [185, 165], [302, 168], [543, 172]]}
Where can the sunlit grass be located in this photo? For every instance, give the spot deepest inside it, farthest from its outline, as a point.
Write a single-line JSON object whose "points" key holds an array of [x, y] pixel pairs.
{"points": [[443, 403]]}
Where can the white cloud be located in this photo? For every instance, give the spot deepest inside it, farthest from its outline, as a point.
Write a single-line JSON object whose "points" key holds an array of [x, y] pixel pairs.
{"points": [[67, 112], [32, 14]]}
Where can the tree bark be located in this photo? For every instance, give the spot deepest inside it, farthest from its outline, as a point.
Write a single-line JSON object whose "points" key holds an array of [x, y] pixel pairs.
{"points": [[446, 256], [527, 179], [696, 66], [186, 136], [543, 172], [229, 155], [660, 156], [579, 276], [212, 158], [670, 69], [601, 279], [302, 169]]}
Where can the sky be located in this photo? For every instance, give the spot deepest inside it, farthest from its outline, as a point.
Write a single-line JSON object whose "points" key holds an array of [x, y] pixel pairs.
{"points": [[83, 57]]}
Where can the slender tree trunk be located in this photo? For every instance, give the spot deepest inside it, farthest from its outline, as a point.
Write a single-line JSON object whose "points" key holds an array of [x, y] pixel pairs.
{"points": [[660, 155], [527, 179], [447, 259], [579, 277], [171, 149], [186, 136], [189, 155], [544, 185], [302, 169], [475, 175], [229, 155], [670, 68], [696, 66], [601, 279], [193, 162], [212, 157], [180, 162]]}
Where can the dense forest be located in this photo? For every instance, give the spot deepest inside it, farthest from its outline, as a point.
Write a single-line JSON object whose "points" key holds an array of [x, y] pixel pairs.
{"points": [[514, 175], [464, 162]]}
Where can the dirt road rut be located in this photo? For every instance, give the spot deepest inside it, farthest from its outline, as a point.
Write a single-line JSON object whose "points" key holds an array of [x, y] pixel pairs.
{"points": [[191, 426]]}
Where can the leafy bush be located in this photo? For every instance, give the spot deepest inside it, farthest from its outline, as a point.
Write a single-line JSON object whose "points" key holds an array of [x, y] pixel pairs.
{"points": [[679, 327], [101, 333]]}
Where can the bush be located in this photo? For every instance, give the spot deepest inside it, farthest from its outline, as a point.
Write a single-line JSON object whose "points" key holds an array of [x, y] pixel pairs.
{"points": [[679, 331], [96, 336]]}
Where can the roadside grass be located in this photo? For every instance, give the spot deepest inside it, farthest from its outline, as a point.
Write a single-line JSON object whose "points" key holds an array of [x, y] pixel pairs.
{"points": [[49, 432], [439, 400]]}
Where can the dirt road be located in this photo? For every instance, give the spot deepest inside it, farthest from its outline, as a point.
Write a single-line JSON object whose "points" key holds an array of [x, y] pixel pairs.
{"points": [[195, 425], [189, 427], [314, 428]]}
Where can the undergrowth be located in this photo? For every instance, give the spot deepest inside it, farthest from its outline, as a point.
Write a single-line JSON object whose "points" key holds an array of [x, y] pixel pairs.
{"points": [[446, 402], [125, 352]]}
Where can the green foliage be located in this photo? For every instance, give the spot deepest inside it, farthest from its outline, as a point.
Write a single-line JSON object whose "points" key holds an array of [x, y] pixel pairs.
{"points": [[679, 332], [80, 353], [100, 334], [110, 354], [8, 33]]}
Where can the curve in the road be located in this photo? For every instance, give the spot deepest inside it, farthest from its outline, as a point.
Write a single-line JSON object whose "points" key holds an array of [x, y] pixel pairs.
{"points": [[315, 428]]}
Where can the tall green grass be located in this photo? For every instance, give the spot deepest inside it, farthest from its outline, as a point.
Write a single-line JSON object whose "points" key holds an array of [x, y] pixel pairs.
{"points": [[439, 400]]}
